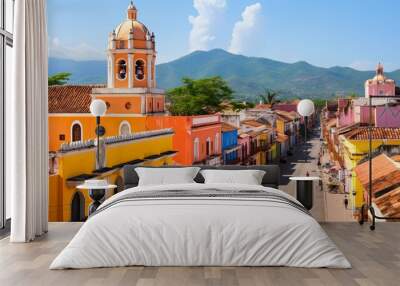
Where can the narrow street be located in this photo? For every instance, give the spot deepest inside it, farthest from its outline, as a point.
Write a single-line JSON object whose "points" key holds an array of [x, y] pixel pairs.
{"points": [[327, 206]]}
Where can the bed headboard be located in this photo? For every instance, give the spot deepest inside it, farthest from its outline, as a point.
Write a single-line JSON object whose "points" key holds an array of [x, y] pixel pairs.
{"points": [[271, 177]]}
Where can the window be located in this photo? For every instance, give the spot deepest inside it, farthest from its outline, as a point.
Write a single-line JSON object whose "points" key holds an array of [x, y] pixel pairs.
{"points": [[76, 131], [216, 143], [208, 147], [6, 63], [122, 69], [124, 128], [196, 149], [139, 69]]}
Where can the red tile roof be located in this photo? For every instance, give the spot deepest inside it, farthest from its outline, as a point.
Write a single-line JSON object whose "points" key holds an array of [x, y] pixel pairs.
{"points": [[385, 173], [228, 127], [396, 158], [389, 203], [70, 98], [286, 116], [263, 106], [362, 133], [281, 137], [252, 122], [385, 180]]}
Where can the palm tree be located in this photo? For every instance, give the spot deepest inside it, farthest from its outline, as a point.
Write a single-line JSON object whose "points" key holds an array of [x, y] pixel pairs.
{"points": [[269, 97], [59, 78]]}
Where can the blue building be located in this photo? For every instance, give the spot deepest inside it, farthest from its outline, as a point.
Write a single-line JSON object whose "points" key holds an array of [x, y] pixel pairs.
{"points": [[230, 146]]}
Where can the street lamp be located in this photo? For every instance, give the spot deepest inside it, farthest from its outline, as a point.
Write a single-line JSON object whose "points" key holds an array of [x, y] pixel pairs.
{"points": [[98, 108], [305, 108]]}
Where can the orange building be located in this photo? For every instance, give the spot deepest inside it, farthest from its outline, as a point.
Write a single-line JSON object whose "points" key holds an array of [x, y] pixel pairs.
{"points": [[197, 138]]}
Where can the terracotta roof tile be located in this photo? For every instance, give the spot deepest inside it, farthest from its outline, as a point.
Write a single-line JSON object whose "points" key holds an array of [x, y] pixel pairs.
{"points": [[283, 118], [263, 106], [389, 203], [70, 98], [228, 127], [362, 133], [281, 137], [396, 158], [252, 122], [385, 173]]}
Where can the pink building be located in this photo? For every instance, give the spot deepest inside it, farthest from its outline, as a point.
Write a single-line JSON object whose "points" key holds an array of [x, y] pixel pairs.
{"points": [[380, 85], [244, 141], [385, 112], [345, 113], [387, 116]]}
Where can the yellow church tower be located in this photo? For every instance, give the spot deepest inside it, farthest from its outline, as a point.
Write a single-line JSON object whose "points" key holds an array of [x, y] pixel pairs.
{"points": [[131, 76]]}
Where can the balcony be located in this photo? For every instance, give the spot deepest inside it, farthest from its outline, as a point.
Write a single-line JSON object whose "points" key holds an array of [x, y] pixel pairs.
{"points": [[211, 160]]}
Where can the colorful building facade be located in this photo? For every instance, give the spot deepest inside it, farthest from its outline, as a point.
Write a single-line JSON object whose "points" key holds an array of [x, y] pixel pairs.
{"points": [[345, 129], [230, 145], [132, 98]]}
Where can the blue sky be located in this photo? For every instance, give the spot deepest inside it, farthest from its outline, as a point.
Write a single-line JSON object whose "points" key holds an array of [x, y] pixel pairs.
{"points": [[355, 33]]}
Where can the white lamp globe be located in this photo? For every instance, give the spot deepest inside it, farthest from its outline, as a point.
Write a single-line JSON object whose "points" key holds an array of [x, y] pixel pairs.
{"points": [[98, 107], [305, 107]]}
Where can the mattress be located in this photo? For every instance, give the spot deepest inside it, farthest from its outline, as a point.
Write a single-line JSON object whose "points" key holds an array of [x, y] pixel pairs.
{"points": [[201, 225]]}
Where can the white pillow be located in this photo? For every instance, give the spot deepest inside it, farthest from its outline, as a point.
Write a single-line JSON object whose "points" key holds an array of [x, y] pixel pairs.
{"points": [[166, 176], [247, 177]]}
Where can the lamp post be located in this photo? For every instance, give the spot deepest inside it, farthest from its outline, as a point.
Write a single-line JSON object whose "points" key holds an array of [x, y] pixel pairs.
{"points": [[98, 108], [305, 108]]}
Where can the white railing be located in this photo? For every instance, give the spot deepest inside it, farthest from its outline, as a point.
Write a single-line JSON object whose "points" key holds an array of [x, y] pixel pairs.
{"points": [[74, 146]]}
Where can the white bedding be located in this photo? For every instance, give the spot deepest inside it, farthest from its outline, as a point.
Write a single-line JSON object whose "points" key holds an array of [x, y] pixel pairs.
{"points": [[200, 232]]}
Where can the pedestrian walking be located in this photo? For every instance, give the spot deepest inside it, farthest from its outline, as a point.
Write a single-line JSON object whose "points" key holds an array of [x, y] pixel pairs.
{"points": [[346, 202]]}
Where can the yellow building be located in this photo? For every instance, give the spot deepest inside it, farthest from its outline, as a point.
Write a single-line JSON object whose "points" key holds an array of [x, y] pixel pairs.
{"points": [[260, 140], [354, 146], [75, 163]]}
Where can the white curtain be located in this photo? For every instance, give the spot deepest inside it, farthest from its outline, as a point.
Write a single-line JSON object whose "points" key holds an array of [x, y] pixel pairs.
{"points": [[26, 120]]}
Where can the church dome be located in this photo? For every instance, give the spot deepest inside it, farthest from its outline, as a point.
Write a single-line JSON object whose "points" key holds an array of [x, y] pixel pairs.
{"points": [[131, 24], [140, 32], [379, 74]]}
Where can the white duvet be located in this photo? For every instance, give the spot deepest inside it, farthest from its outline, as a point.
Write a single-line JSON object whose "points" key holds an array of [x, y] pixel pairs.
{"points": [[200, 232]]}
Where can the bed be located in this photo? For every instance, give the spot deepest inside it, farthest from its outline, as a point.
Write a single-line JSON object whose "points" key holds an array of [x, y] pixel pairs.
{"points": [[197, 224]]}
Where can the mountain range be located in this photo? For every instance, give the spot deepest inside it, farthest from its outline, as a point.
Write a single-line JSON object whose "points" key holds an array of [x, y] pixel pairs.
{"points": [[248, 76]]}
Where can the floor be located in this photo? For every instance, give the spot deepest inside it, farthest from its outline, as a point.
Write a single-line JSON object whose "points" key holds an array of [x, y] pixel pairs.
{"points": [[375, 257]]}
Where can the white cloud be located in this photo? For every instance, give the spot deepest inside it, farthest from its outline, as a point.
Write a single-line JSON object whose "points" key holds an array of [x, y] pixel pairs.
{"points": [[201, 34], [81, 51], [244, 30]]}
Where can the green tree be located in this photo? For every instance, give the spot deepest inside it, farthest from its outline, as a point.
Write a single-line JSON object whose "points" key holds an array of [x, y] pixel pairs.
{"points": [[319, 102], [59, 78], [197, 97], [353, 95], [238, 105], [269, 97]]}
